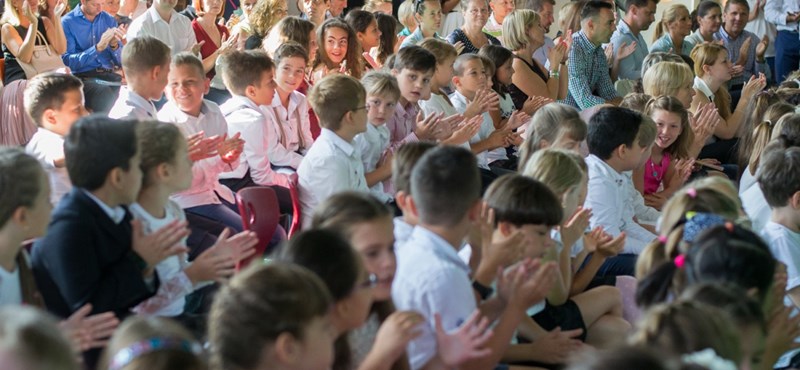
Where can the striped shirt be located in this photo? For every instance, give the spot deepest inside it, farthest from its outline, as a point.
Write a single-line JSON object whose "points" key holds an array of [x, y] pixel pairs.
{"points": [[734, 45]]}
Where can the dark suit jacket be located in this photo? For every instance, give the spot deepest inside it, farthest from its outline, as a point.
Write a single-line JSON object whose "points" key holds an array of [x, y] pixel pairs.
{"points": [[86, 258]]}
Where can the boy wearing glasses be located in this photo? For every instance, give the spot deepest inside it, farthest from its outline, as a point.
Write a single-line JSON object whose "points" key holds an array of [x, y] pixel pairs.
{"points": [[333, 164]]}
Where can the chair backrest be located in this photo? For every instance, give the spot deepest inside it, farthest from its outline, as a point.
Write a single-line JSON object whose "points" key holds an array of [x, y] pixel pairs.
{"points": [[260, 213], [296, 209]]}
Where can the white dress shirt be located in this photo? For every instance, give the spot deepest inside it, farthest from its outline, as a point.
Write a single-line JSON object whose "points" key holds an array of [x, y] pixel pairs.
{"points": [[644, 214], [47, 147], [205, 188], [784, 243], [331, 166], [775, 11], [609, 200], [116, 214], [177, 33], [747, 180], [402, 231], [373, 144], [250, 121], [431, 279], [130, 105], [10, 289], [487, 127], [756, 207], [289, 133]]}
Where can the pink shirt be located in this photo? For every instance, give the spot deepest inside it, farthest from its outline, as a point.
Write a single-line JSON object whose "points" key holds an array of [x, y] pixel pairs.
{"points": [[654, 174], [402, 125]]}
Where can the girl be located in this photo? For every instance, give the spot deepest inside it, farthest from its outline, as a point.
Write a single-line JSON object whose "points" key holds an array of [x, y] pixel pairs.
{"points": [[166, 169], [340, 50], [503, 59], [150, 343], [389, 42], [674, 26], [292, 136], [672, 156], [766, 110], [216, 41], [428, 14], [367, 33], [471, 35], [554, 125]]}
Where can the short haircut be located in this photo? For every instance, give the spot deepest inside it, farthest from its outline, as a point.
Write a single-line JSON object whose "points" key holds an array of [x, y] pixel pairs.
{"points": [[96, 145], [461, 63], [359, 20], [521, 200], [159, 144], [593, 8], [33, 338], [290, 49], [611, 127], [444, 185], [20, 181], [742, 3], [241, 69], [289, 295], [538, 5], [47, 91], [381, 83], [403, 163], [189, 60], [334, 96], [779, 175], [516, 26], [657, 57], [638, 3], [440, 49], [414, 58], [142, 54], [293, 29]]}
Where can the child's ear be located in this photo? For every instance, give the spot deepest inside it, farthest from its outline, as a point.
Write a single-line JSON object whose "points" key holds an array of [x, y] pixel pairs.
{"points": [[412, 207], [155, 72], [474, 212], [285, 348], [115, 177], [401, 198], [49, 117], [456, 81], [163, 170], [20, 216], [794, 201], [249, 91], [622, 151]]}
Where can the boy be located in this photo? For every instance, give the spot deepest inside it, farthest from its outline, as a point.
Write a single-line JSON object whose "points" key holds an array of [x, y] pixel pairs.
{"points": [[248, 76], [619, 140], [289, 133], [194, 115], [779, 179], [382, 96], [430, 276], [145, 61], [403, 162], [54, 101], [333, 164]]}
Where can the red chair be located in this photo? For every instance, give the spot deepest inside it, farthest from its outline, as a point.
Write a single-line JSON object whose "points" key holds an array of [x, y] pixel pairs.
{"points": [[260, 213], [296, 209]]}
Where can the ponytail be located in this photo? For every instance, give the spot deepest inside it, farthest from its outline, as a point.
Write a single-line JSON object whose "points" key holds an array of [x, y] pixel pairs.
{"points": [[761, 137], [660, 29]]}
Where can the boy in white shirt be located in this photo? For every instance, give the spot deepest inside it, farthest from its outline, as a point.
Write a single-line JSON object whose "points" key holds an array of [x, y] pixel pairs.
{"points": [[382, 96], [619, 140], [55, 102], [145, 62], [333, 164], [779, 179], [289, 133]]}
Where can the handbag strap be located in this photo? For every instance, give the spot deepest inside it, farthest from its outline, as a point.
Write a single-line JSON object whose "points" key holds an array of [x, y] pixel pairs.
{"points": [[40, 36]]}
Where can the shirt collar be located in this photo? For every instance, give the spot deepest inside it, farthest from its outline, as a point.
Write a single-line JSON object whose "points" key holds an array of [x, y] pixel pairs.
{"points": [[623, 27], [139, 101], [155, 17], [583, 39], [725, 35], [173, 110], [438, 245], [337, 141], [594, 162], [116, 214], [701, 85], [418, 33]]}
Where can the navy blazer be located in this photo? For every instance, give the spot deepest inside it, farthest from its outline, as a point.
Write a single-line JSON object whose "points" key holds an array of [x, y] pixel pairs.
{"points": [[86, 258]]}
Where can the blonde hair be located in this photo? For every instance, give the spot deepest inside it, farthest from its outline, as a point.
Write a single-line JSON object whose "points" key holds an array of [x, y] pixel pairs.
{"points": [[184, 352], [549, 123], [569, 17], [666, 78], [33, 338], [706, 54], [440, 49], [556, 169], [635, 101], [334, 96], [669, 16], [515, 28], [381, 83], [680, 148], [263, 16], [406, 11], [762, 134]]}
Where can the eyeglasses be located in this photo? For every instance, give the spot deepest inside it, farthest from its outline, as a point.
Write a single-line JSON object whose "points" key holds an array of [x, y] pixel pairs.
{"points": [[371, 282], [360, 108]]}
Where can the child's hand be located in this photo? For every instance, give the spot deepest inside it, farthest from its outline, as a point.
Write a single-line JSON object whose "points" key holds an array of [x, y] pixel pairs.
{"points": [[704, 122], [372, 62], [201, 147], [526, 283], [86, 332], [465, 131], [480, 103], [493, 101], [466, 343], [572, 230], [654, 200], [481, 235], [517, 119], [230, 148], [534, 103], [556, 347], [608, 247], [426, 126], [394, 334], [447, 126], [683, 169], [157, 246], [782, 329]]}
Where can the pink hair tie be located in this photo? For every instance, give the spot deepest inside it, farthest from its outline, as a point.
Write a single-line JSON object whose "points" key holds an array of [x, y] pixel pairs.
{"points": [[692, 192], [662, 239], [679, 261]]}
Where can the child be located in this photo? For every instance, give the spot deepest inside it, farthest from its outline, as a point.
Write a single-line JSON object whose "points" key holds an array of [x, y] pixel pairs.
{"points": [[369, 36], [340, 51], [389, 42], [289, 137], [428, 14], [619, 140], [431, 277], [382, 96], [31, 341], [145, 61], [150, 343], [554, 125], [402, 164], [248, 76], [333, 163], [299, 333], [757, 139], [55, 102], [672, 157], [195, 117], [166, 169]]}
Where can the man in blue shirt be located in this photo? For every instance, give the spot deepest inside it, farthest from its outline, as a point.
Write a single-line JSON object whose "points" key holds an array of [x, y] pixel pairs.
{"points": [[94, 52], [639, 16], [785, 14]]}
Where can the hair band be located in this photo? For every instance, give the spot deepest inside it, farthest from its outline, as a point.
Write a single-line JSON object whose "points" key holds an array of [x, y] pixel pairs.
{"points": [[662, 239], [124, 356], [679, 261], [691, 192]]}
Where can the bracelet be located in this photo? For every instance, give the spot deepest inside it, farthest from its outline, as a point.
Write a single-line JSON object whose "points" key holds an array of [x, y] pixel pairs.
{"points": [[555, 74], [483, 290]]}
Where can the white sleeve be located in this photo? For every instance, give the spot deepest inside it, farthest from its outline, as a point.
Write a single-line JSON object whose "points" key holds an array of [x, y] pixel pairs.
{"points": [[252, 130], [278, 154]]}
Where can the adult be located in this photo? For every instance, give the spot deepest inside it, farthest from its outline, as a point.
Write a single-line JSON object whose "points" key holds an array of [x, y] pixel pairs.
{"points": [[265, 15], [471, 35], [590, 82], [94, 53], [639, 15], [500, 9], [161, 21], [545, 10], [670, 34], [524, 33], [113, 7], [314, 10], [744, 47], [709, 19], [758, 24], [19, 32], [242, 22], [785, 14], [429, 18], [215, 40], [336, 9]]}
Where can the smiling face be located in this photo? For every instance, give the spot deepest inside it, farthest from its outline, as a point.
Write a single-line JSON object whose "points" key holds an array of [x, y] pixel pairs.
{"points": [[546, 16], [413, 83], [736, 18], [536, 34], [336, 44], [669, 127], [186, 87], [290, 73]]}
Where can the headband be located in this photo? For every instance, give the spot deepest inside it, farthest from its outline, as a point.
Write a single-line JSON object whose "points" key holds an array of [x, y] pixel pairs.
{"points": [[124, 356]]}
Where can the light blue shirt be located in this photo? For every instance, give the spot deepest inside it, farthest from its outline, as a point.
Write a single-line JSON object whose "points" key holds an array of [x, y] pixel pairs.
{"points": [[416, 37], [664, 45], [630, 68]]}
